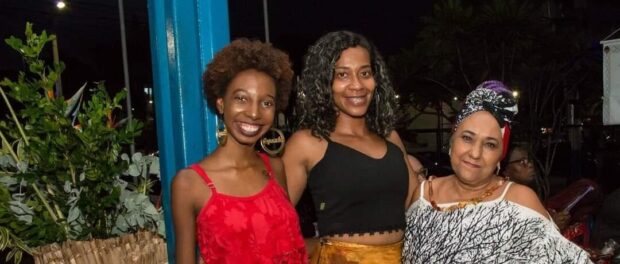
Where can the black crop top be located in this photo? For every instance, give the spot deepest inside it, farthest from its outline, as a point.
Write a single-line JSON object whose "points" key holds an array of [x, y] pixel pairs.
{"points": [[357, 194]]}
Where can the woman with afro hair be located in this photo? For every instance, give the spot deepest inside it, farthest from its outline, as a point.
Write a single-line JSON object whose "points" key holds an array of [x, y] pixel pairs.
{"points": [[233, 204], [347, 153]]}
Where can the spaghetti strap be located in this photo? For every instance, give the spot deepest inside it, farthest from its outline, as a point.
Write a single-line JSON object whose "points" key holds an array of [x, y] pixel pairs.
{"points": [[265, 159], [204, 176], [422, 189], [505, 190]]}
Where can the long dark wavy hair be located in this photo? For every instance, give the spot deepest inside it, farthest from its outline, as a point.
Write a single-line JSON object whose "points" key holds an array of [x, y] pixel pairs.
{"points": [[315, 109]]}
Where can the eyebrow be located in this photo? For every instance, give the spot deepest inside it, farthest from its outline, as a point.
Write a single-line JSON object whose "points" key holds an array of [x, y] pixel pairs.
{"points": [[242, 90], [474, 134], [346, 67]]}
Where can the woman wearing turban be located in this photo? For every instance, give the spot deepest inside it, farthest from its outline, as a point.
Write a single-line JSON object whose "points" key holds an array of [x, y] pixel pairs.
{"points": [[474, 215]]}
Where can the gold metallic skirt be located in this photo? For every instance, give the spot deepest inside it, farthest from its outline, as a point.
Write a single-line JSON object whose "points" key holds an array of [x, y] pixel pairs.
{"points": [[336, 252]]}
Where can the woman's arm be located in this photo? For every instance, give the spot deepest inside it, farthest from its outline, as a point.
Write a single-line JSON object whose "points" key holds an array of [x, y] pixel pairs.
{"points": [[278, 172], [295, 161], [183, 216], [416, 166], [413, 179]]}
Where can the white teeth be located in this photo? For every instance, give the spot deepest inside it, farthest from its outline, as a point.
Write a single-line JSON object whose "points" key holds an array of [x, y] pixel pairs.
{"points": [[357, 100], [249, 128]]}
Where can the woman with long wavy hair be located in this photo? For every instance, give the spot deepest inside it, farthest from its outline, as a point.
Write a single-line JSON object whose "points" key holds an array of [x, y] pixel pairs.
{"points": [[347, 152]]}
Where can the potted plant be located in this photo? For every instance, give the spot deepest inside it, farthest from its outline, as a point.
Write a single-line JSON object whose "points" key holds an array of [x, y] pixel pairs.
{"points": [[61, 163]]}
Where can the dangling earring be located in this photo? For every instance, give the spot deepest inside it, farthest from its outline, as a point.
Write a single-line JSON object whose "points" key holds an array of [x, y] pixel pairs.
{"points": [[279, 140], [499, 166], [222, 133]]}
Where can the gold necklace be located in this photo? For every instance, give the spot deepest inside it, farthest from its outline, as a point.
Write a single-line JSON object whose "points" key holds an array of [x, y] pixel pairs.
{"points": [[464, 203]]}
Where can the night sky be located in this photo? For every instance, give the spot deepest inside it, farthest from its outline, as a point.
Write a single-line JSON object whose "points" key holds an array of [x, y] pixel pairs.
{"points": [[294, 25], [89, 35]]}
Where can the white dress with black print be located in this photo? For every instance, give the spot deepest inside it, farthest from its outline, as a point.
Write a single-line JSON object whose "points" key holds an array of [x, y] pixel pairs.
{"points": [[497, 231]]}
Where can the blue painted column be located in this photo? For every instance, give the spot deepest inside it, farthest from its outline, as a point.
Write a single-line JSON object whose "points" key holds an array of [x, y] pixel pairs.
{"points": [[184, 35]]}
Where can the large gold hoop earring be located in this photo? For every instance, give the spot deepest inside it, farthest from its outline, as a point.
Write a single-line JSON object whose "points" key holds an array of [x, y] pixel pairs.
{"points": [[279, 141], [222, 133]]}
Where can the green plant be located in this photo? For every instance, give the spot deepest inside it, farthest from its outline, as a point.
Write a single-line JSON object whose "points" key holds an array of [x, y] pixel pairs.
{"points": [[61, 163], [137, 212]]}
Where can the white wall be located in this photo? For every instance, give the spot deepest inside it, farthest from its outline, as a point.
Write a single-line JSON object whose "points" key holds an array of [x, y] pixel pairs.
{"points": [[611, 82]]}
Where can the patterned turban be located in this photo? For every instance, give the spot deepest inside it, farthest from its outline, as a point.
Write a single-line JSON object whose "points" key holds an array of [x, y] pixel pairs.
{"points": [[495, 98]]}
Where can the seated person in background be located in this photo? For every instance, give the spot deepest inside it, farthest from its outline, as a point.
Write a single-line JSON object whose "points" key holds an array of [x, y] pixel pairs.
{"points": [[581, 199], [569, 206], [519, 167]]}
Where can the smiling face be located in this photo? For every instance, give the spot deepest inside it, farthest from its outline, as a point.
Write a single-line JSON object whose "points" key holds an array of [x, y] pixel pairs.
{"points": [[353, 83], [476, 148], [248, 107]]}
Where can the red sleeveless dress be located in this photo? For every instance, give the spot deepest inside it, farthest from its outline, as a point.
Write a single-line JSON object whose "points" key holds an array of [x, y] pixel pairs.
{"points": [[262, 228]]}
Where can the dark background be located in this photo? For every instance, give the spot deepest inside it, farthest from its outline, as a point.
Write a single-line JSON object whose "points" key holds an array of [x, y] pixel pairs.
{"points": [[88, 33], [89, 42]]}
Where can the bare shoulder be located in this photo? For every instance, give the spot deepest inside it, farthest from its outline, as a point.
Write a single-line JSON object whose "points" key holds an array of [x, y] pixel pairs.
{"points": [[395, 138], [188, 188], [525, 196], [441, 183], [303, 138], [416, 192], [189, 183], [304, 147], [185, 179]]}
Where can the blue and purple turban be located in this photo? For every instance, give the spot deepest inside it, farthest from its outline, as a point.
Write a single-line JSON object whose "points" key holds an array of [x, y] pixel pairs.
{"points": [[495, 98]]}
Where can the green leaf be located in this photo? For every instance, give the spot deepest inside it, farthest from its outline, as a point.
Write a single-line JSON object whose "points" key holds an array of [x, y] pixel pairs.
{"points": [[154, 168], [22, 211], [137, 157], [14, 43], [74, 214], [133, 170]]}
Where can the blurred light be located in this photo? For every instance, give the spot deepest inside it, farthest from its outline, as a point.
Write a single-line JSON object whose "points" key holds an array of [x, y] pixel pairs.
{"points": [[515, 94], [546, 130], [455, 98], [61, 4], [397, 96], [150, 101]]}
